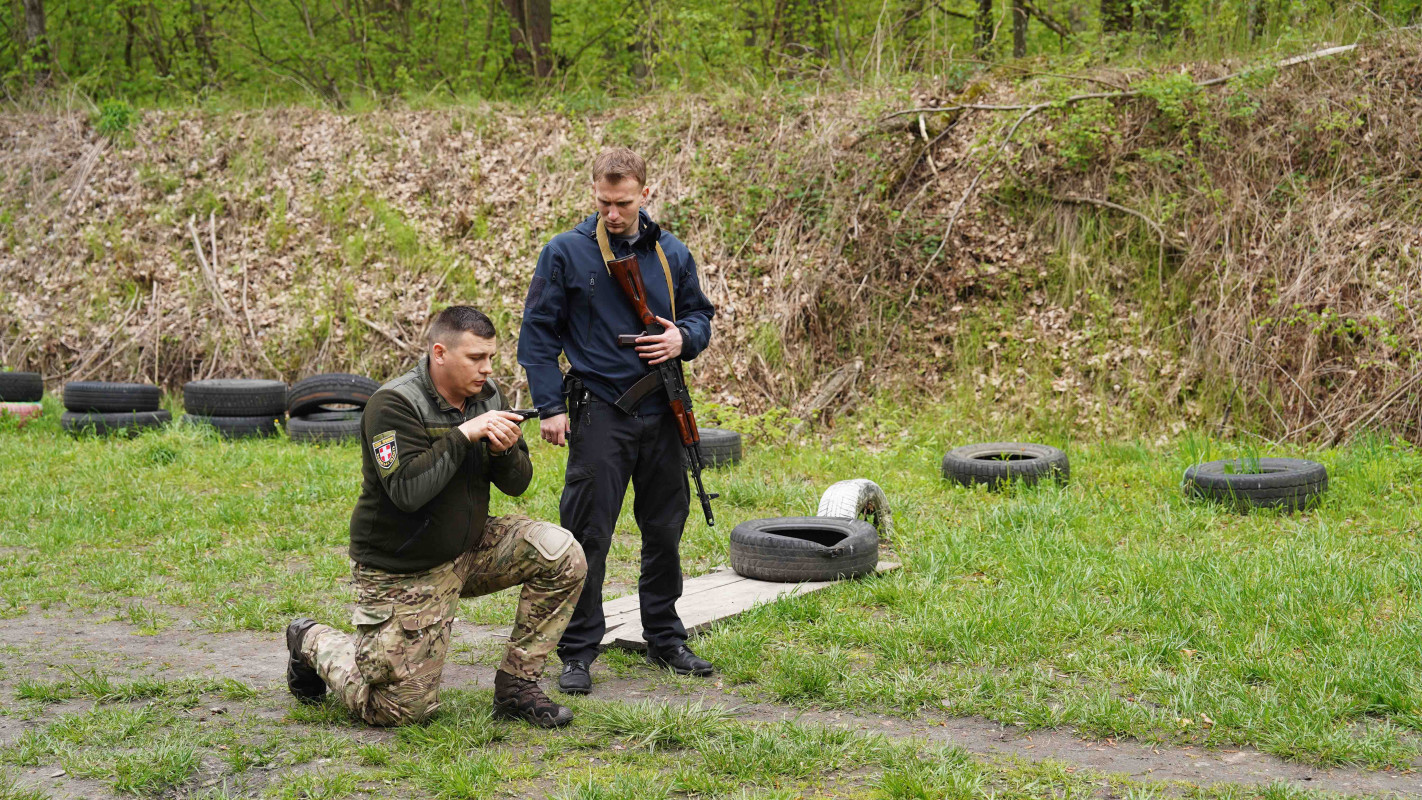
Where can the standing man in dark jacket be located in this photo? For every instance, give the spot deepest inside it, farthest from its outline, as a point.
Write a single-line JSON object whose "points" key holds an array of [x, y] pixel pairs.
{"points": [[574, 307], [421, 538]]}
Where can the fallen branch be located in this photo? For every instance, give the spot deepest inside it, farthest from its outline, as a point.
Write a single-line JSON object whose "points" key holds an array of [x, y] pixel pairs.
{"points": [[831, 386], [1042, 16], [208, 275], [383, 331], [1079, 98]]}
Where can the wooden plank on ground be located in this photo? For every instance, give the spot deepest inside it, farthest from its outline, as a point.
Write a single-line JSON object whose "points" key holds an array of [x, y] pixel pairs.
{"points": [[704, 583], [709, 598]]}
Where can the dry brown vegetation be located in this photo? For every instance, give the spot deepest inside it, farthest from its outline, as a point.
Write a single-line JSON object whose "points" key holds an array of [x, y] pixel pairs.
{"points": [[1290, 202], [283, 242]]}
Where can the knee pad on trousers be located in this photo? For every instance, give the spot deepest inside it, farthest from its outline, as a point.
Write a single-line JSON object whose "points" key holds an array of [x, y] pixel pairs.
{"points": [[404, 703], [551, 541]]}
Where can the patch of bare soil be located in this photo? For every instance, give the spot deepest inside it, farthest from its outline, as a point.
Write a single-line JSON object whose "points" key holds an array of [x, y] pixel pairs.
{"points": [[40, 646]]}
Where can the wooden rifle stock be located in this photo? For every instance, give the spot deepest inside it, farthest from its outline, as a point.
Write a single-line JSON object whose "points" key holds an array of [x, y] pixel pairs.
{"points": [[629, 276]]}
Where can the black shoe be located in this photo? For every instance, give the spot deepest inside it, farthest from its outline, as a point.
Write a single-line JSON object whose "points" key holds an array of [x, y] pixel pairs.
{"points": [[575, 678], [517, 698], [301, 677], [679, 659]]}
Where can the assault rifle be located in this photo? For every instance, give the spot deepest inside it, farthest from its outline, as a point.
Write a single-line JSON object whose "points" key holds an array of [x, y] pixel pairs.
{"points": [[666, 375]]}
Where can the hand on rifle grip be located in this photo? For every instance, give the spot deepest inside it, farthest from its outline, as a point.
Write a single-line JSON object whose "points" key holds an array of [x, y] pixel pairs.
{"points": [[663, 346]]}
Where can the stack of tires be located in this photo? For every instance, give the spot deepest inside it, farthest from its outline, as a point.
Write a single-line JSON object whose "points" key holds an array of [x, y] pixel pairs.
{"points": [[327, 408], [20, 395], [238, 408], [106, 408]]}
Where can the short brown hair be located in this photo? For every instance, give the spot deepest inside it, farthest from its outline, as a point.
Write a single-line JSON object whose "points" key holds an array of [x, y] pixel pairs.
{"points": [[618, 163], [460, 319]]}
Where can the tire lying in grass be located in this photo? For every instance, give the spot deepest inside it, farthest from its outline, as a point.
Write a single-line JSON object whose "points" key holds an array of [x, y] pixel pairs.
{"points": [[21, 387], [236, 427], [106, 423], [859, 498], [998, 463], [325, 427], [795, 549], [235, 397], [1289, 483], [335, 391], [21, 412], [111, 397], [720, 447]]}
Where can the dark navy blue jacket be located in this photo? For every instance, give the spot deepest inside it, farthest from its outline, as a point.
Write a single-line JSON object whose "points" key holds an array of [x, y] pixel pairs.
{"points": [[575, 307]]}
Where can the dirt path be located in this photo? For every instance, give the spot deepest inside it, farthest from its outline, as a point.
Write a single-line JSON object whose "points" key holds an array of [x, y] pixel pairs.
{"points": [[38, 646]]}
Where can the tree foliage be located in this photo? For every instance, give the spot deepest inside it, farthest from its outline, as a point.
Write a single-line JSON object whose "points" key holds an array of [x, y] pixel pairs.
{"points": [[340, 50]]}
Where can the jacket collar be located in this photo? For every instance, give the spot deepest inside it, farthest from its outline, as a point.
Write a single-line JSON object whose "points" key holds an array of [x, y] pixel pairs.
{"points": [[427, 382], [649, 232]]}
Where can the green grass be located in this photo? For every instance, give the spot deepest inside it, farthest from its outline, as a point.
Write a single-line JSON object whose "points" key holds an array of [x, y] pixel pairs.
{"points": [[1113, 606], [153, 747]]}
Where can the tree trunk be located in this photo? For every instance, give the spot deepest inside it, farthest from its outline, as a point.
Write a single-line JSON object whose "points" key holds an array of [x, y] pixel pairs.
{"points": [[1166, 21], [982, 27], [37, 41], [1019, 29], [1256, 19], [157, 44], [202, 38], [1116, 16], [532, 35], [130, 32]]}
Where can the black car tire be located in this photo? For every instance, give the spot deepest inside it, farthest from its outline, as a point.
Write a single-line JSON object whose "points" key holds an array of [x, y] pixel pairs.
{"points": [[21, 387], [306, 429], [335, 391], [999, 463], [330, 416], [1289, 483], [235, 397], [719, 447], [105, 423], [796, 549], [111, 397], [236, 427]]}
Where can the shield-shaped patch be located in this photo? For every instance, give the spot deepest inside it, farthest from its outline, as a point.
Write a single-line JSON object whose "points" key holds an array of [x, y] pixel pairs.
{"points": [[384, 447]]}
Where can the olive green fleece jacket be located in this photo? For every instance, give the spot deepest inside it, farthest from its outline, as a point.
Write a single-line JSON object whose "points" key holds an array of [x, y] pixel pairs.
{"points": [[424, 495]]}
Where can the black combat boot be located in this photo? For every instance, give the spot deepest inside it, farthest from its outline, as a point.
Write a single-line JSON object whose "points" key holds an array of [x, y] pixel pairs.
{"points": [[517, 698], [575, 678], [679, 659], [301, 676]]}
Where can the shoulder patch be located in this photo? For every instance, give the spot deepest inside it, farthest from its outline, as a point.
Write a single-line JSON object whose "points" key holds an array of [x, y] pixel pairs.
{"points": [[535, 293], [386, 454]]}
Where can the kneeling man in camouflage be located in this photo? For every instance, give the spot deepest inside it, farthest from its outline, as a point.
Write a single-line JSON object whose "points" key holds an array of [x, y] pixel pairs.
{"points": [[421, 538]]}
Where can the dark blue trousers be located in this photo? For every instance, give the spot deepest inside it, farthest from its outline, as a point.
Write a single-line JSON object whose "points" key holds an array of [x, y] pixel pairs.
{"points": [[609, 448]]}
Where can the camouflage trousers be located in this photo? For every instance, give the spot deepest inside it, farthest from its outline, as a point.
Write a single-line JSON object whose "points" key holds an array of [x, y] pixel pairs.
{"points": [[389, 672]]}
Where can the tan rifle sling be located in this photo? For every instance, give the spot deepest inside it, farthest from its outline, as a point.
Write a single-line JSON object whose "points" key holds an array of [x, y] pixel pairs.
{"points": [[606, 247]]}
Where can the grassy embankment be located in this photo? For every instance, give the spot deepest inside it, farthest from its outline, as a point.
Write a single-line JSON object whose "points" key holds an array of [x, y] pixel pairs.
{"points": [[1285, 290], [1112, 606]]}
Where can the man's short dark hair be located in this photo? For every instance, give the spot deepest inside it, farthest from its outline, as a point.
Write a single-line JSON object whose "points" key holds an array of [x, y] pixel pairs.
{"points": [[460, 319]]}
